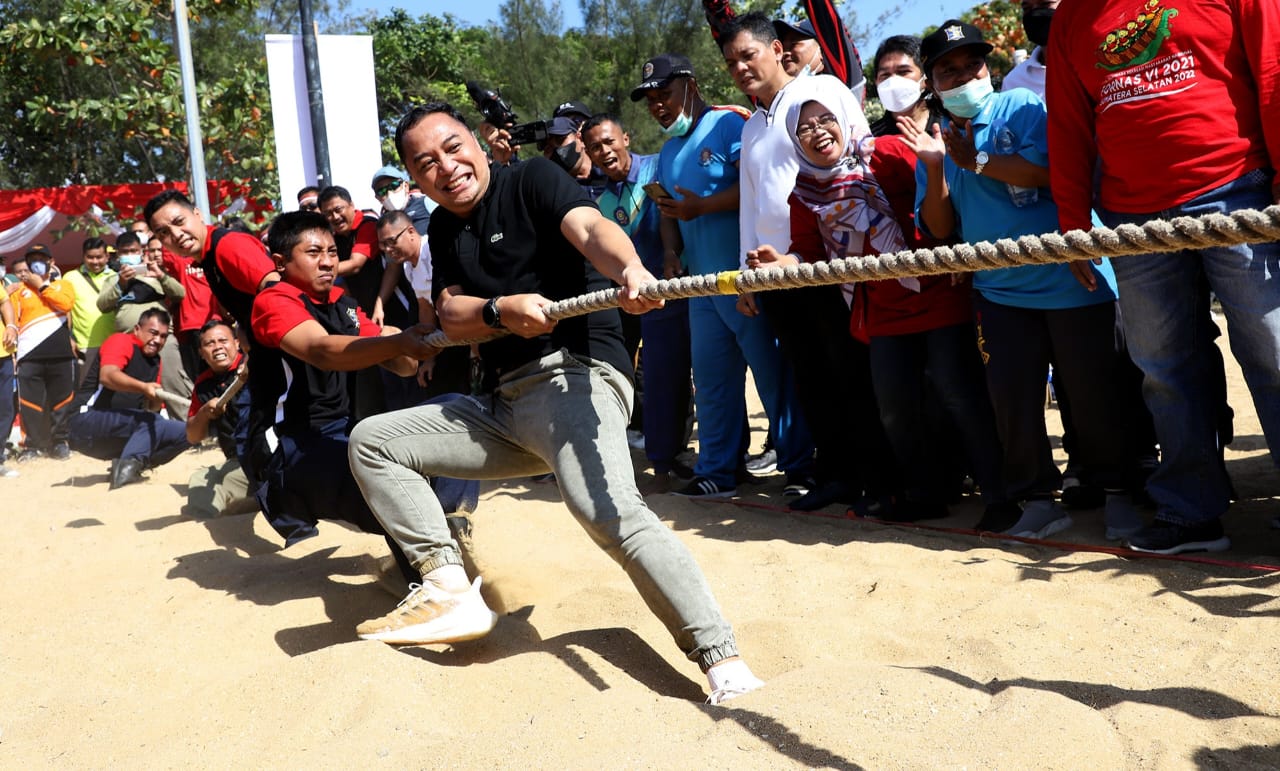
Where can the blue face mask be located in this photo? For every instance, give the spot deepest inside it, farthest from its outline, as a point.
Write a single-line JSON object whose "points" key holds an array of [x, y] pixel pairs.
{"points": [[966, 101], [679, 127], [683, 122]]}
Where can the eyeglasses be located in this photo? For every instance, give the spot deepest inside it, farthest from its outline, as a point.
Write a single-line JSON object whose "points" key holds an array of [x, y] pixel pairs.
{"points": [[387, 189], [388, 244], [826, 122], [309, 207]]}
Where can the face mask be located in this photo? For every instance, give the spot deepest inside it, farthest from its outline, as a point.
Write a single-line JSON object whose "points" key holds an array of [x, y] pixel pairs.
{"points": [[898, 93], [1036, 24], [396, 200], [966, 101], [808, 68], [683, 122], [567, 157]]}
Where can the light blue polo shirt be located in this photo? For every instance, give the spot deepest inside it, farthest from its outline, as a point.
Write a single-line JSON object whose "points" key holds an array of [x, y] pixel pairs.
{"points": [[986, 209], [705, 161]]}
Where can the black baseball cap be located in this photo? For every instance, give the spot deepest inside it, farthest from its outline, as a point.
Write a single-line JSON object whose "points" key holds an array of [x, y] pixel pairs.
{"points": [[562, 126], [39, 250], [951, 35], [782, 27], [661, 70], [570, 109]]}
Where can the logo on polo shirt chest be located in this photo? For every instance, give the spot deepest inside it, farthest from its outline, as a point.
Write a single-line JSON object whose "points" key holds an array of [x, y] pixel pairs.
{"points": [[351, 314], [495, 238]]}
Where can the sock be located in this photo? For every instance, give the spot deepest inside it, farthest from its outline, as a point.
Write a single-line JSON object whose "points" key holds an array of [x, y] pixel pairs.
{"points": [[451, 578]]}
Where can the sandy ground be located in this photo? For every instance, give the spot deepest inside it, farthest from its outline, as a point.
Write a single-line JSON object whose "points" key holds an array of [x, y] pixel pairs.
{"points": [[131, 636]]}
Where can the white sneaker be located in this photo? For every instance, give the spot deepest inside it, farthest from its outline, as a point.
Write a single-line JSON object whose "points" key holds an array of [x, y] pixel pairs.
{"points": [[432, 615], [1040, 519], [6, 472]]}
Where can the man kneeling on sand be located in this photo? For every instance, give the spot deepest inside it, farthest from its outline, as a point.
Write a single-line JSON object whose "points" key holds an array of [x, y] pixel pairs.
{"points": [[113, 414]]}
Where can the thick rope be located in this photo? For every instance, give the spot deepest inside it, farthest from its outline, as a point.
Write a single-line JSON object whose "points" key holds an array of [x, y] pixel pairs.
{"points": [[1246, 226]]}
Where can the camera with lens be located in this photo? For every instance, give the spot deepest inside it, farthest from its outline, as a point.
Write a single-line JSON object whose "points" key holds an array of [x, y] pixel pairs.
{"points": [[498, 113]]}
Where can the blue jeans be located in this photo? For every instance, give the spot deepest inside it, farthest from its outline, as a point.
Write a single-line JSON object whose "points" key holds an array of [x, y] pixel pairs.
{"points": [[118, 434], [560, 413], [1171, 347], [724, 344]]}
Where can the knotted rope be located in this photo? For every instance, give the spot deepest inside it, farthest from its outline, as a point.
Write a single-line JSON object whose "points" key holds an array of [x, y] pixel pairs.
{"points": [[1246, 226]]}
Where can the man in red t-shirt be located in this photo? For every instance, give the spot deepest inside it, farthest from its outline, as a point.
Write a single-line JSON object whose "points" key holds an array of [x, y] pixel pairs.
{"points": [[1177, 107], [114, 411], [318, 335]]}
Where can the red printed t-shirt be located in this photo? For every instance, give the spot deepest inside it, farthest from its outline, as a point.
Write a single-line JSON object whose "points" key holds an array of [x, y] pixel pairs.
{"points": [[234, 265], [310, 398], [196, 306], [1184, 101]]}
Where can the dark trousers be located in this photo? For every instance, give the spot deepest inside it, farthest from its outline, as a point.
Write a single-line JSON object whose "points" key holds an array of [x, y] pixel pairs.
{"points": [[1017, 346], [833, 380], [7, 405], [309, 479], [45, 389], [903, 368], [665, 367], [121, 434]]}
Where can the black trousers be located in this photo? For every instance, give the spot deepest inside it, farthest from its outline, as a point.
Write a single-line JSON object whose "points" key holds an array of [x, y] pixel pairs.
{"points": [[45, 389], [833, 380], [1017, 345]]}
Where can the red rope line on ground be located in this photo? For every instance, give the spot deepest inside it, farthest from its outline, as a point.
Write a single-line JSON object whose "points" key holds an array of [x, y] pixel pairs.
{"points": [[1115, 551]]}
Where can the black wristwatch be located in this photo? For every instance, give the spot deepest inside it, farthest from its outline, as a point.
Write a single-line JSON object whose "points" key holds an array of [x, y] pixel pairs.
{"points": [[490, 314]]}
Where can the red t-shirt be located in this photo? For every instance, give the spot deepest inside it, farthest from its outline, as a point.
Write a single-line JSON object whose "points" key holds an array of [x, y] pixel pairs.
{"points": [[118, 350], [197, 306], [280, 307], [1186, 101]]}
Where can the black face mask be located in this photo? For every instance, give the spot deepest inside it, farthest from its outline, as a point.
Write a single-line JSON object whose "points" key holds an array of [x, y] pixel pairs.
{"points": [[1036, 23], [567, 157]]}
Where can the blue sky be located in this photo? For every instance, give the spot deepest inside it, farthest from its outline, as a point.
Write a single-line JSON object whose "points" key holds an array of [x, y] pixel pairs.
{"points": [[913, 15]]}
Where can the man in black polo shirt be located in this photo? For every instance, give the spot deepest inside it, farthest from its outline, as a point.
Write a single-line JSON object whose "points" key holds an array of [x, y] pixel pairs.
{"points": [[114, 412], [506, 242], [320, 336]]}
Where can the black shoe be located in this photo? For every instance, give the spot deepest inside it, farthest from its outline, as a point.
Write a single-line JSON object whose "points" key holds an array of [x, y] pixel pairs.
{"points": [[1078, 495], [1162, 537], [30, 453], [701, 487], [681, 471], [798, 485], [125, 471], [914, 511], [825, 495], [999, 517], [60, 451]]}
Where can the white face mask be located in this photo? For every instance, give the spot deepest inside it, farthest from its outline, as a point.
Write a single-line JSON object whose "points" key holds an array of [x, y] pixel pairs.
{"points": [[396, 200], [898, 93], [808, 68]]}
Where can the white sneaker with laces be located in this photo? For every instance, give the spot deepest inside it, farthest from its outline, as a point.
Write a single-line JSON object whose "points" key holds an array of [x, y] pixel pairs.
{"points": [[432, 615]]}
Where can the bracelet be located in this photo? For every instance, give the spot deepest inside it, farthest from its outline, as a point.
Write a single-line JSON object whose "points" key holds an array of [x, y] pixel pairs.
{"points": [[10, 326]]}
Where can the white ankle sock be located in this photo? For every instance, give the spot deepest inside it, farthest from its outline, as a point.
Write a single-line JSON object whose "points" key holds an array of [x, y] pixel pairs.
{"points": [[451, 578], [730, 679]]}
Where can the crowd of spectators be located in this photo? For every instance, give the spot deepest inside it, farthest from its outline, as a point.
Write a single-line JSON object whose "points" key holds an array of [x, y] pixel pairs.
{"points": [[895, 398]]}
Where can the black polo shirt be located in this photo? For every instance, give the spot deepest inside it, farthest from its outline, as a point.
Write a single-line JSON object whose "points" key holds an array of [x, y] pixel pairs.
{"points": [[511, 244]]}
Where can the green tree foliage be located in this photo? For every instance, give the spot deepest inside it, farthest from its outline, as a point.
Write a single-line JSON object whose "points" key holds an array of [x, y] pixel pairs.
{"points": [[103, 78], [1001, 25]]}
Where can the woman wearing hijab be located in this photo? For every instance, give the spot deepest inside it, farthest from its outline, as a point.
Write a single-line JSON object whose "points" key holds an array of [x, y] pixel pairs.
{"points": [[854, 196]]}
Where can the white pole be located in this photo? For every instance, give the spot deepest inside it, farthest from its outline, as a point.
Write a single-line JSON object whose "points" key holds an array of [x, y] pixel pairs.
{"points": [[195, 140]]}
